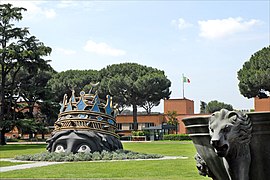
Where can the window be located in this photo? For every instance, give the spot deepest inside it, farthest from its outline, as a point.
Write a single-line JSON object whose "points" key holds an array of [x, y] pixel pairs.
{"points": [[131, 126], [119, 126], [149, 125]]}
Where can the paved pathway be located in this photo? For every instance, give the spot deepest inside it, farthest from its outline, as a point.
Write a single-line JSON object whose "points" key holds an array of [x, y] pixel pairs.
{"points": [[33, 164]]}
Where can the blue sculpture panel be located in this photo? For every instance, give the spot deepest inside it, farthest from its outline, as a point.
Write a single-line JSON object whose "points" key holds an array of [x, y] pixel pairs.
{"points": [[81, 105]]}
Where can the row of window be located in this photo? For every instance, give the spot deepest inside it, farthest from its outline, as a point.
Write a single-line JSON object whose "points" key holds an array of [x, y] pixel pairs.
{"points": [[130, 126]]}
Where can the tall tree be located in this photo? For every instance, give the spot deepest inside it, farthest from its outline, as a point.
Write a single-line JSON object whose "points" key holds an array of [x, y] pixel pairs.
{"points": [[134, 85], [254, 77], [37, 79], [32, 89], [172, 119], [17, 50], [215, 105], [78, 80], [152, 88]]}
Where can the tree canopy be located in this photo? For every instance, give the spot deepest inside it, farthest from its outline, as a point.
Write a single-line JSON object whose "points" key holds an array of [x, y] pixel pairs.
{"points": [[152, 88], [254, 77], [203, 107], [172, 119], [65, 81], [18, 52], [134, 85], [215, 105]]}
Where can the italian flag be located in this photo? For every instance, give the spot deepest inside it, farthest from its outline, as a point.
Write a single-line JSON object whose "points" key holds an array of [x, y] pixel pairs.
{"points": [[186, 80]]}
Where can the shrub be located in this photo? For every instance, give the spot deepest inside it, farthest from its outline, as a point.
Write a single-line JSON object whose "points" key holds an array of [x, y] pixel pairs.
{"points": [[88, 157], [96, 156], [58, 157], [106, 155], [137, 133], [83, 157], [176, 137], [25, 157], [125, 138], [70, 157], [13, 140], [119, 156]]}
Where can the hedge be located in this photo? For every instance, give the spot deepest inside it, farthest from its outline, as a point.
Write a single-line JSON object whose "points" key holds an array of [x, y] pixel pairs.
{"points": [[95, 156], [176, 137]]}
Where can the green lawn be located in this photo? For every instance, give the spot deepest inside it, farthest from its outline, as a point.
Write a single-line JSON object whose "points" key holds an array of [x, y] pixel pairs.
{"points": [[7, 163], [180, 169], [10, 151]]}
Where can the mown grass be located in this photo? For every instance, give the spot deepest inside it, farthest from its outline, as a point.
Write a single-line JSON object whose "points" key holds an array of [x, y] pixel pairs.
{"points": [[179, 169], [12, 150], [7, 163], [166, 148]]}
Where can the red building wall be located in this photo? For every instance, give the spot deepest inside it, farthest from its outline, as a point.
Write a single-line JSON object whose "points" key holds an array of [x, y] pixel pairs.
{"points": [[155, 118], [181, 106], [262, 104]]}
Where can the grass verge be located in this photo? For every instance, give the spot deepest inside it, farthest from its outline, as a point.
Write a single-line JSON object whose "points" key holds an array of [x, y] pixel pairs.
{"points": [[179, 169], [12, 150], [7, 163]]}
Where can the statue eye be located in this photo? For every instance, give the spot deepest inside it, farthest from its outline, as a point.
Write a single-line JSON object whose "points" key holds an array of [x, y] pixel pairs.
{"points": [[59, 149], [84, 148]]}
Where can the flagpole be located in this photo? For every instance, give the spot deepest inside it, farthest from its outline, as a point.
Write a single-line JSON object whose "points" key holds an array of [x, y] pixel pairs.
{"points": [[183, 86]]}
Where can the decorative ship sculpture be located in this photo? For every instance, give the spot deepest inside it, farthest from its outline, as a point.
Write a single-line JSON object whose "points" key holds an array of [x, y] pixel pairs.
{"points": [[85, 124], [231, 145]]}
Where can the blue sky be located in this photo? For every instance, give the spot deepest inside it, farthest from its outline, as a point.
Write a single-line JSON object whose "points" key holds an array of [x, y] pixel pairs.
{"points": [[208, 41]]}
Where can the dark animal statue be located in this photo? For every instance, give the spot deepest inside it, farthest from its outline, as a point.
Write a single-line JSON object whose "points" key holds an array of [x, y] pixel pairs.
{"points": [[230, 133]]}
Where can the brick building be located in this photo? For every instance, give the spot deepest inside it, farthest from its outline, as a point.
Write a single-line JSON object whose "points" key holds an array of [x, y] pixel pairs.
{"points": [[183, 108], [262, 104]]}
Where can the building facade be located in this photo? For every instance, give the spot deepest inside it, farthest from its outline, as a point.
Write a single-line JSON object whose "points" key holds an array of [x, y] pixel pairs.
{"points": [[182, 107], [262, 104]]}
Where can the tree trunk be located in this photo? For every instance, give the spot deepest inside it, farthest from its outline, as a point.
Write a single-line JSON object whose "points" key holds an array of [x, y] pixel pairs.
{"points": [[135, 122], [2, 105], [3, 139], [30, 135], [42, 135]]}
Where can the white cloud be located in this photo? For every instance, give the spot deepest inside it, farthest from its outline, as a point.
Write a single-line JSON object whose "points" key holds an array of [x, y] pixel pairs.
{"points": [[49, 13], [220, 28], [33, 8], [83, 5], [65, 4], [181, 24], [65, 51], [102, 49]]}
